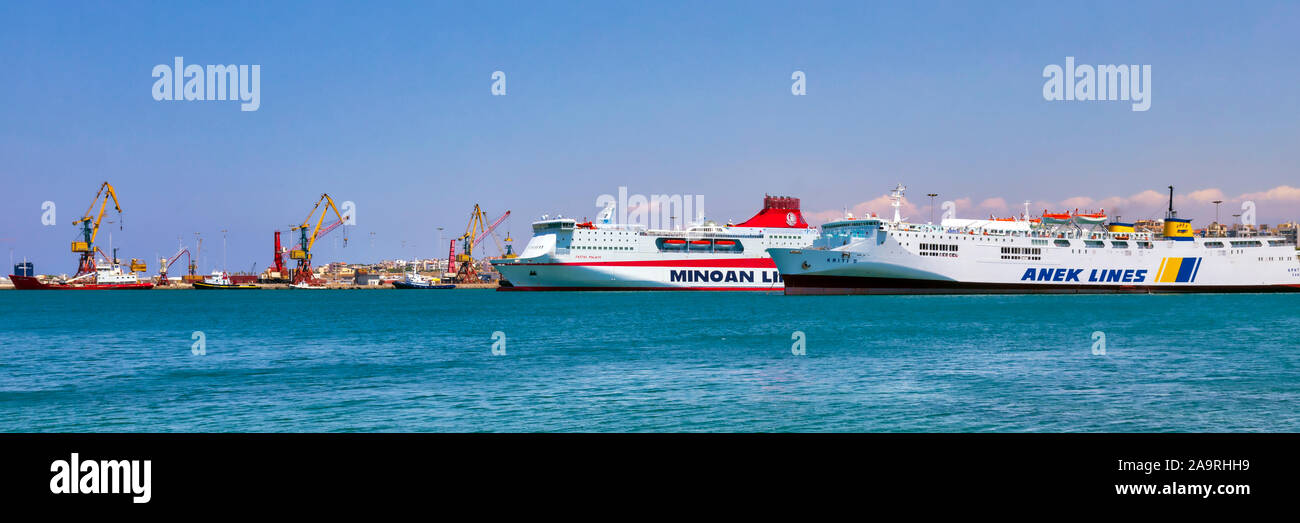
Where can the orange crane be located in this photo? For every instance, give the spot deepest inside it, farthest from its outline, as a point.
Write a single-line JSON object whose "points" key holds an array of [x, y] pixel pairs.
{"points": [[475, 232], [302, 251], [86, 247]]}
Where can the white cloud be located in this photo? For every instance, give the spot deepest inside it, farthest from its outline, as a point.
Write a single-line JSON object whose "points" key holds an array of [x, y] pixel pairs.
{"points": [[1285, 193], [994, 204], [1149, 203], [879, 205]]}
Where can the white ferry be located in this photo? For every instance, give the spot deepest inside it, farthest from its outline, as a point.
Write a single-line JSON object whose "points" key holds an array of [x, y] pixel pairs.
{"points": [[564, 254], [1056, 253]]}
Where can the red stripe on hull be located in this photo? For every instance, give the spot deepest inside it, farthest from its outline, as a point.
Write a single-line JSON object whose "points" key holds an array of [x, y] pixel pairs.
{"points": [[31, 283], [753, 263], [731, 289]]}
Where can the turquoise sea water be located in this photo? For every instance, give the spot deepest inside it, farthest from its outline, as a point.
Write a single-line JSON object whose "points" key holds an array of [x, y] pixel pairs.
{"points": [[383, 360]]}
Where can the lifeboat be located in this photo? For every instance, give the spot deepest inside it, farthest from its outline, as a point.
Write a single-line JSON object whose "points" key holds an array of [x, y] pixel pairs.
{"points": [[673, 244], [1096, 218], [700, 245], [1056, 218], [726, 245]]}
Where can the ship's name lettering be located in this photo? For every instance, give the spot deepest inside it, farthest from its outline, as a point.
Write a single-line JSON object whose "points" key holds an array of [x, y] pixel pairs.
{"points": [[1095, 275], [732, 276]]}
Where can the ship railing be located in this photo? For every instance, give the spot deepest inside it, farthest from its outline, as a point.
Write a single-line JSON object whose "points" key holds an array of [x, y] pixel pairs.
{"points": [[695, 234]]}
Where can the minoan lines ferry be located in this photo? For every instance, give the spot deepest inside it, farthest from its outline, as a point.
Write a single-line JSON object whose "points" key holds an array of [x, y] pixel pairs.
{"points": [[1057, 253], [566, 255]]}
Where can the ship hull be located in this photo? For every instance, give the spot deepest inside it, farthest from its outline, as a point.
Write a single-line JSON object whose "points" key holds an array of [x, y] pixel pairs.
{"points": [[832, 285], [404, 285], [933, 262], [31, 283], [215, 286], [742, 274]]}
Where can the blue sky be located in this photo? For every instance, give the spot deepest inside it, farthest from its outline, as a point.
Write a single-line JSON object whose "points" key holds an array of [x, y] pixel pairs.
{"points": [[389, 106]]}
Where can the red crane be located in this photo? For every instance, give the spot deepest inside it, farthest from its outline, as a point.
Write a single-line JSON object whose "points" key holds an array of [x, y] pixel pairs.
{"points": [[166, 263], [279, 267]]}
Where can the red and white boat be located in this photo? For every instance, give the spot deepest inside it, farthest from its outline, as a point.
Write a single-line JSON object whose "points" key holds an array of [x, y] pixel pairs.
{"points": [[106, 276], [564, 254]]}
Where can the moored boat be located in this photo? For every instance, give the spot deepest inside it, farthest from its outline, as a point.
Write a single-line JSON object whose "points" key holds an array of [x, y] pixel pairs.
{"points": [[417, 281], [106, 276], [221, 281]]}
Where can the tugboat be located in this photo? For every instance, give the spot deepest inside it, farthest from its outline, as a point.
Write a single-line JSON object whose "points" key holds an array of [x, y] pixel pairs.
{"points": [[416, 281], [221, 281]]}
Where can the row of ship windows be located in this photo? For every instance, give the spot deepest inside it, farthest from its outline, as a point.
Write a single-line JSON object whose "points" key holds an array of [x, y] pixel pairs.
{"points": [[1120, 244], [601, 248]]}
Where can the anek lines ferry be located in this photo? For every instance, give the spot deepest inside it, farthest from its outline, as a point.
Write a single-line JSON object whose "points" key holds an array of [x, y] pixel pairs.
{"points": [[1056, 253]]}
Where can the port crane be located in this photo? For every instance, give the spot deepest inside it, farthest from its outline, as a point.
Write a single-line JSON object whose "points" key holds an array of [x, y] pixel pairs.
{"points": [[302, 251], [86, 246], [166, 263], [277, 272], [475, 232], [90, 223]]}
